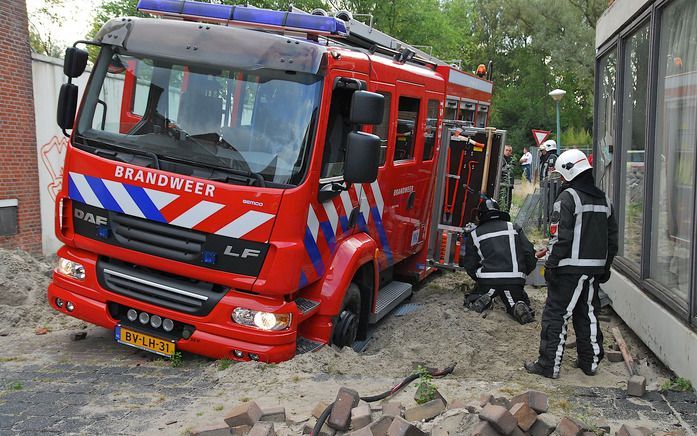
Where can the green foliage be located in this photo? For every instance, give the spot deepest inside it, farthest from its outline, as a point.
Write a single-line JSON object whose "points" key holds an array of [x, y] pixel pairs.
{"points": [[15, 386], [224, 364], [677, 384], [176, 360], [425, 389], [578, 137], [41, 40]]}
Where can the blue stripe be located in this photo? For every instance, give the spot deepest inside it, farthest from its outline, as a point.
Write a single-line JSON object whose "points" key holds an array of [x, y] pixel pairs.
{"points": [[328, 235], [144, 203], [381, 232], [103, 194], [303, 280], [313, 252], [343, 220], [361, 223], [73, 192]]}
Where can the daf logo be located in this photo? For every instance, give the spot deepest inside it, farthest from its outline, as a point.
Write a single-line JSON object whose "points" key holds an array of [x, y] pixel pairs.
{"points": [[90, 217], [247, 252]]}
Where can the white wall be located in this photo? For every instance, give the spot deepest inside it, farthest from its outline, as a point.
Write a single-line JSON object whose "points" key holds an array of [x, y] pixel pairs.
{"points": [[50, 142]]}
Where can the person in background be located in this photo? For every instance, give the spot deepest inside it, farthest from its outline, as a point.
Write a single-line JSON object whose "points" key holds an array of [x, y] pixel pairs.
{"points": [[526, 164], [499, 257], [547, 167], [543, 157], [583, 244], [506, 181]]}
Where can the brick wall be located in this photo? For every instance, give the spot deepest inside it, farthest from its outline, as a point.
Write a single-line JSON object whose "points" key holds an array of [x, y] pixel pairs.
{"points": [[19, 175]]}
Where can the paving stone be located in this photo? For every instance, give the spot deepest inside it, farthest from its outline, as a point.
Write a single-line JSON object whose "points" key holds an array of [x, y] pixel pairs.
{"points": [[525, 416], [628, 430], [538, 401], [360, 416], [544, 426], [500, 418], [392, 408], [243, 414], [570, 427], [457, 404], [340, 418], [324, 431], [501, 401], [262, 429], [483, 428], [401, 427], [212, 430], [380, 427], [273, 414], [425, 411], [240, 430], [636, 386], [614, 356], [319, 408], [365, 431], [485, 399]]}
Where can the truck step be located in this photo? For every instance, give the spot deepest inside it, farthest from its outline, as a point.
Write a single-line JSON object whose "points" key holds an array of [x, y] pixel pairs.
{"points": [[304, 345], [388, 298], [306, 306]]}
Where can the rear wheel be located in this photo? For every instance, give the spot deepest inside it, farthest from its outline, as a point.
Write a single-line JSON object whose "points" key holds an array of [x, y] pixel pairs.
{"points": [[347, 321]]}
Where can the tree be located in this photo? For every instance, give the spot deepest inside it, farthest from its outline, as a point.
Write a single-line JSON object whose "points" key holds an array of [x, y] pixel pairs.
{"points": [[40, 39]]}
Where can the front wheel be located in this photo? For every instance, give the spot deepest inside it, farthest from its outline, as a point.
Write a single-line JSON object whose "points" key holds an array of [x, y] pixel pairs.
{"points": [[347, 321]]}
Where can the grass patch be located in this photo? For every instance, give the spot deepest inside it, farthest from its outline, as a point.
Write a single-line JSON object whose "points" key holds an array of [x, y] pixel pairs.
{"points": [[218, 407], [176, 360], [224, 364], [15, 386], [12, 359], [677, 384]]}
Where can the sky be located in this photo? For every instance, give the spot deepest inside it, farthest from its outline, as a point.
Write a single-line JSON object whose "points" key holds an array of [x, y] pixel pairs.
{"points": [[76, 19]]}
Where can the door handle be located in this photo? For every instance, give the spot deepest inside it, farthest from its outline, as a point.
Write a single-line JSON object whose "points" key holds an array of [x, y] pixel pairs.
{"points": [[411, 199]]}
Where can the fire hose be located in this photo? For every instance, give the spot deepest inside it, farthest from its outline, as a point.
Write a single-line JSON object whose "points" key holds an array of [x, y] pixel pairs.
{"points": [[434, 373]]}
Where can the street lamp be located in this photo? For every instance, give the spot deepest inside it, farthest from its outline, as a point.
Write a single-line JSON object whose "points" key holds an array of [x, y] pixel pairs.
{"points": [[557, 95]]}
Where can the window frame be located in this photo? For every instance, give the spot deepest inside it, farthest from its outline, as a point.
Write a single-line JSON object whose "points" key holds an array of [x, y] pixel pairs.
{"points": [[415, 132]]}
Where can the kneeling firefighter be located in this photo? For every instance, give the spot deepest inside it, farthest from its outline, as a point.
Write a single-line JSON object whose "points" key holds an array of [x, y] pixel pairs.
{"points": [[499, 257]]}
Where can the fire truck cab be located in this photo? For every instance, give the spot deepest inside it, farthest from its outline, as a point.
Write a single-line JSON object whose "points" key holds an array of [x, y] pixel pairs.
{"points": [[247, 184]]}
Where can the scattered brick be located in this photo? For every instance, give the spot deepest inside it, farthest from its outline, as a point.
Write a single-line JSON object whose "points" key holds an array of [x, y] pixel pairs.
{"points": [[500, 418], [525, 416], [636, 386], [483, 428], [41, 330], [544, 426], [538, 401], [570, 427], [501, 401], [628, 430], [614, 356], [365, 431], [324, 431], [273, 414], [360, 416], [401, 427], [392, 408], [457, 404], [78, 336], [340, 417], [485, 399], [319, 408], [375, 407], [212, 430], [240, 430], [243, 414], [262, 429], [425, 411], [380, 427]]}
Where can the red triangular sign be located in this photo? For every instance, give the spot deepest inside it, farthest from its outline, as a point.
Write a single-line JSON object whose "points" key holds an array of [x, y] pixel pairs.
{"points": [[540, 135]]}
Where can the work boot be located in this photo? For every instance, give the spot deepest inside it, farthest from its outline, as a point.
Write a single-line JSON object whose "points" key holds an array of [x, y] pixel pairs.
{"points": [[481, 304], [537, 369], [522, 313], [588, 372]]}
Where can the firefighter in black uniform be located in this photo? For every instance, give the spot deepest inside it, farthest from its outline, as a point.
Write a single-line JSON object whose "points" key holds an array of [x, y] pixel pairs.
{"points": [[499, 257], [550, 157], [583, 244]]}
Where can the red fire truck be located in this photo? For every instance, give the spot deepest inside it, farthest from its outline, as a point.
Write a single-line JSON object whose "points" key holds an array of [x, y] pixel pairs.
{"points": [[250, 184]]}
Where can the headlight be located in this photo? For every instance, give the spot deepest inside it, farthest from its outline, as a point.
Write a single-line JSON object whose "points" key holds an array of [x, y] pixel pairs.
{"points": [[261, 320], [70, 269]]}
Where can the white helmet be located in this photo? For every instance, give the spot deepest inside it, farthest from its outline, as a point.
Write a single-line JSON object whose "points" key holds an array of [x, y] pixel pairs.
{"points": [[571, 163], [550, 144], [542, 147]]}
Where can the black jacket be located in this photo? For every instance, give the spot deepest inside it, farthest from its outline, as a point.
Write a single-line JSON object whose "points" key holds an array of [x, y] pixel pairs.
{"points": [[490, 259], [548, 164], [583, 228]]}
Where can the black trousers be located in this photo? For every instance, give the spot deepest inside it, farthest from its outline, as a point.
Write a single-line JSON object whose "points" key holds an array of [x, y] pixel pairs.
{"points": [[509, 294], [571, 296]]}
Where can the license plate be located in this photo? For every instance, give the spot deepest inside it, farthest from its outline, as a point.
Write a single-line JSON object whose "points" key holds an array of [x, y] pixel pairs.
{"points": [[132, 338]]}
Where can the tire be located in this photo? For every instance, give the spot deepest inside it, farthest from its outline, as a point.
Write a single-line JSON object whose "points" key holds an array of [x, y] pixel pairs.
{"points": [[348, 319]]}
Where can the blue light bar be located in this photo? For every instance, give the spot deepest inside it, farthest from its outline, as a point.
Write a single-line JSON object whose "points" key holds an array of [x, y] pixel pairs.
{"points": [[243, 15]]}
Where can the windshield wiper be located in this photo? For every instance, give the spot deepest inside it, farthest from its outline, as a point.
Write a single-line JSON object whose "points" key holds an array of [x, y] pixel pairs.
{"points": [[155, 158]]}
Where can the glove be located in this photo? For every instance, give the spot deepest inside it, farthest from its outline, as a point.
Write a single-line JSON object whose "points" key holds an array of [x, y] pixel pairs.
{"points": [[604, 277]]}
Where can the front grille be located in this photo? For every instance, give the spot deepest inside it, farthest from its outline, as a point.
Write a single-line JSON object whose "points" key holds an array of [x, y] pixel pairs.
{"points": [[157, 238], [159, 288]]}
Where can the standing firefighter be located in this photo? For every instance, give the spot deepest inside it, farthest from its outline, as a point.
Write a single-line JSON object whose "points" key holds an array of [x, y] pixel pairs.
{"points": [[506, 185], [499, 257], [550, 158], [583, 245]]}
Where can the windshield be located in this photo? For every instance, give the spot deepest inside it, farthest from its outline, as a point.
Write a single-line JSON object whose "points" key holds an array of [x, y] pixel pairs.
{"points": [[259, 122]]}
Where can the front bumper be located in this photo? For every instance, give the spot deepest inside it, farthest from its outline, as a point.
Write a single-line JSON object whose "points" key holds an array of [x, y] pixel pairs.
{"points": [[215, 334]]}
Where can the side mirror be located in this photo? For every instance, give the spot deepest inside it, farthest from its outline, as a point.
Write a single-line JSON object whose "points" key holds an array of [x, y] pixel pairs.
{"points": [[67, 106], [367, 107], [362, 158], [75, 62]]}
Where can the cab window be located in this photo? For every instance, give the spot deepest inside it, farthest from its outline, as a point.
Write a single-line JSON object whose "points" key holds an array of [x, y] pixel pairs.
{"points": [[382, 129], [431, 129], [407, 119]]}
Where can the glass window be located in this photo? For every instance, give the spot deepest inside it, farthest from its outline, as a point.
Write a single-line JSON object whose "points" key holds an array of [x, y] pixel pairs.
{"points": [[450, 109], [635, 73], [407, 119], [605, 122], [338, 128], [382, 130], [431, 129], [676, 111], [467, 112], [482, 115]]}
